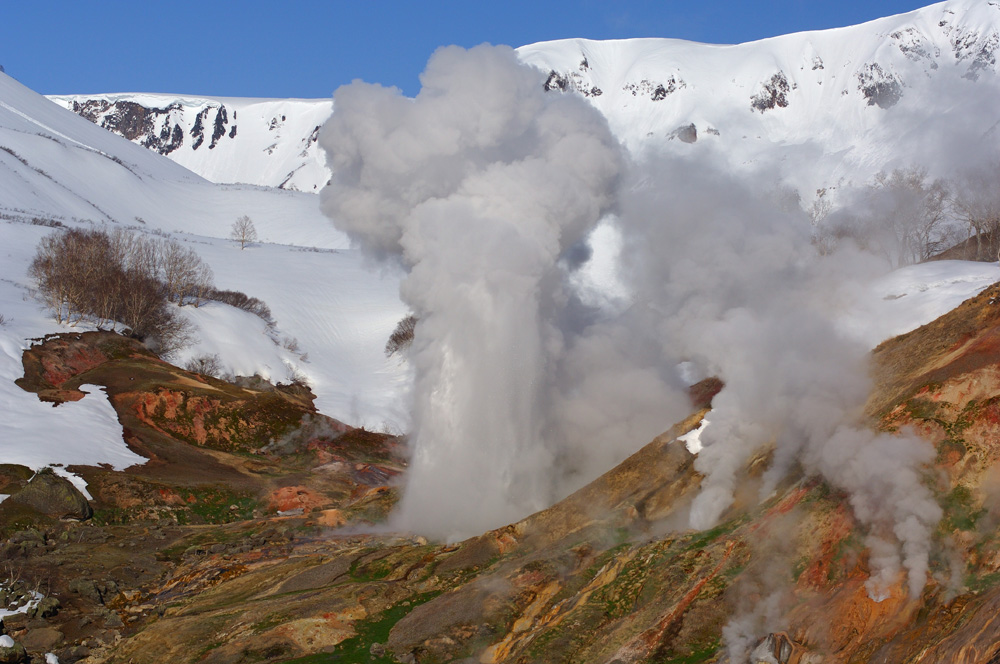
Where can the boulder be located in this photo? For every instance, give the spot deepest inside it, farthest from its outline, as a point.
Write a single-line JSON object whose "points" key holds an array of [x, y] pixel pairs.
{"points": [[42, 639], [12, 652], [52, 495], [46, 608], [99, 592]]}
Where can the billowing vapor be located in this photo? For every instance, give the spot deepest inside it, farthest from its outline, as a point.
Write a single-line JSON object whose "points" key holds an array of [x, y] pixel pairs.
{"points": [[733, 284], [482, 188], [478, 187]]}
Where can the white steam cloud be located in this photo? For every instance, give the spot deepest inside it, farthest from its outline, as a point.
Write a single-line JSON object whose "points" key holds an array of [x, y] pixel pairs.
{"points": [[478, 187], [727, 280], [482, 188]]}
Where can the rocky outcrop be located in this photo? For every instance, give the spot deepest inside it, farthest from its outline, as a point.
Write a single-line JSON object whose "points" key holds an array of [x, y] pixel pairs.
{"points": [[655, 90], [880, 87], [685, 133], [571, 82], [276, 146], [59, 359], [773, 95], [52, 495], [977, 49], [156, 128]]}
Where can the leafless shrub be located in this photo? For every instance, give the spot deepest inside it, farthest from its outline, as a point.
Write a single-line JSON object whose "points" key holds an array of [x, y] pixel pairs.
{"points": [[296, 378], [402, 336], [241, 301], [207, 365], [42, 221]]}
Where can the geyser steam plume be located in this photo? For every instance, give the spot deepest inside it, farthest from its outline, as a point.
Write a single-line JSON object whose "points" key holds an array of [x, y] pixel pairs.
{"points": [[477, 187], [480, 187]]}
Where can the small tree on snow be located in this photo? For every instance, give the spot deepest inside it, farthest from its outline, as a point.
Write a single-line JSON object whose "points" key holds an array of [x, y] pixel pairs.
{"points": [[244, 231]]}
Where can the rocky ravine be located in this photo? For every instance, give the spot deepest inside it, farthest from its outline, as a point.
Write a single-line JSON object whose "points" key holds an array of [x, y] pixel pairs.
{"points": [[168, 570]]}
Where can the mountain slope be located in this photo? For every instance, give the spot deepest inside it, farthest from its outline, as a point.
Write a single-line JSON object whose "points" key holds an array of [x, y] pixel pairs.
{"points": [[269, 142], [56, 168], [610, 574]]}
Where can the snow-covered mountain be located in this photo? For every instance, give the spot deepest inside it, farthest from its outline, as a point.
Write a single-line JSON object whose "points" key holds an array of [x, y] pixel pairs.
{"points": [[817, 107], [268, 142], [814, 108]]}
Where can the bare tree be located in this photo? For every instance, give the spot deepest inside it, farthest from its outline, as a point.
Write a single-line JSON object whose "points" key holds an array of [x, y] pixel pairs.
{"points": [[900, 216], [47, 272], [976, 201], [66, 266], [243, 231], [134, 251], [909, 209], [178, 269], [111, 280], [184, 276], [202, 284]]}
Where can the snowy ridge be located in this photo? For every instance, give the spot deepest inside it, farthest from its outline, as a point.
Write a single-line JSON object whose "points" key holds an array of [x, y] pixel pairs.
{"points": [[816, 109], [268, 142], [845, 102]]}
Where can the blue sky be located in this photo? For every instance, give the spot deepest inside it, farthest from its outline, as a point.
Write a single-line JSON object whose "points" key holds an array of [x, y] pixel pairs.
{"points": [[308, 48]]}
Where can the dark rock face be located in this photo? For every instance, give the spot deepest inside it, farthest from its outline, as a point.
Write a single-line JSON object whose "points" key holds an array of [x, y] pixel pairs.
{"points": [[655, 90], [50, 494], [556, 82], [170, 140], [774, 94], [128, 119], [221, 120], [198, 130], [573, 81], [686, 133], [914, 45], [879, 87], [156, 129], [979, 50]]}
